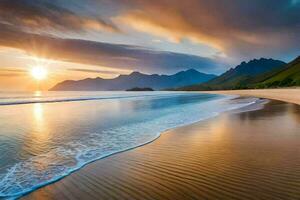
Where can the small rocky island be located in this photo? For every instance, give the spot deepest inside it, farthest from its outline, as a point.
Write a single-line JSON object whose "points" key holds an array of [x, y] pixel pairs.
{"points": [[138, 89]]}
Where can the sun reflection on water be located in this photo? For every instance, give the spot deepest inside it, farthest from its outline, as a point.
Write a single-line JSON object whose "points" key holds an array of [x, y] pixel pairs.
{"points": [[40, 129], [37, 138], [38, 113], [37, 93]]}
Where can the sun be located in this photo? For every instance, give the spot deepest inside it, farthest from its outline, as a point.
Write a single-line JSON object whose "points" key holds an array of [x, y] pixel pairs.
{"points": [[38, 73]]}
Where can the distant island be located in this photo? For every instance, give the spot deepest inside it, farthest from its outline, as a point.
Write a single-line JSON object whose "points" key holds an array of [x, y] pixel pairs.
{"points": [[137, 89], [136, 79]]}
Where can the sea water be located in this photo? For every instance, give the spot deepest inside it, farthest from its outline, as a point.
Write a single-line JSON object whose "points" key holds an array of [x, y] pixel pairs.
{"points": [[46, 136]]}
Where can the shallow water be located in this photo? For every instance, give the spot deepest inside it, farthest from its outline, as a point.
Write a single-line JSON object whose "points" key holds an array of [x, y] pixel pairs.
{"points": [[44, 137]]}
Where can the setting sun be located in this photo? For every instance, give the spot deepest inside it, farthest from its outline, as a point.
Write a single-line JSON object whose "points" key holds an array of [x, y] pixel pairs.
{"points": [[38, 73]]}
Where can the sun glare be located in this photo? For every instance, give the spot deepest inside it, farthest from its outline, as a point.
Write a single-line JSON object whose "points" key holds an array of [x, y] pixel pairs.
{"points": [[38, 73]]}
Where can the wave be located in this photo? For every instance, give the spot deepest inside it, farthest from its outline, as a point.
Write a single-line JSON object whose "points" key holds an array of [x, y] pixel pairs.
{"points": [[9, 179], [14, 101]]}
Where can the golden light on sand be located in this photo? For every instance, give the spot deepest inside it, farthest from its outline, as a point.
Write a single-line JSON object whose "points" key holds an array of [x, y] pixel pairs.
{"points": [[38, 73]]}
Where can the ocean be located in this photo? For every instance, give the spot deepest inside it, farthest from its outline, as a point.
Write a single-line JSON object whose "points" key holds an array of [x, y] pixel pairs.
{"points": [[46, 136]]}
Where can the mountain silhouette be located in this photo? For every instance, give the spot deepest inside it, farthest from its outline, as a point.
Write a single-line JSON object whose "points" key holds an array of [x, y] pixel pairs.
{"points": [[136, 79]]}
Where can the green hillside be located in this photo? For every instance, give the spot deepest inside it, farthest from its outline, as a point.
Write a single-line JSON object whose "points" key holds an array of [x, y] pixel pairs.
{"points": [[287, 77], [245, 75]]}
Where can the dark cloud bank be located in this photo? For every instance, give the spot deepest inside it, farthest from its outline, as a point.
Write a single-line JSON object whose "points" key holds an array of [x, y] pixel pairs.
{"points": [[240, 28]]}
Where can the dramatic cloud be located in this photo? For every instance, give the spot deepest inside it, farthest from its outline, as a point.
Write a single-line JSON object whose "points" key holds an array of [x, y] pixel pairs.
{"points": [[104, 54], [44, 15], [238, 27]]}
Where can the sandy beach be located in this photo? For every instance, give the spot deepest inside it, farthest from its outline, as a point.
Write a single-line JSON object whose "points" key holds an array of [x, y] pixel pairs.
{"points": [[248, 155]]}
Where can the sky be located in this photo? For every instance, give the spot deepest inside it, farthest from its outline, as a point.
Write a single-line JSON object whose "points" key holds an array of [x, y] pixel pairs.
{"points": [[77, 39]]}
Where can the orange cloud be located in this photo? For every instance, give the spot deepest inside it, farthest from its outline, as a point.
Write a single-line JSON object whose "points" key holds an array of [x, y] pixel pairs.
{"points": [[172, 27], [237, 28]]}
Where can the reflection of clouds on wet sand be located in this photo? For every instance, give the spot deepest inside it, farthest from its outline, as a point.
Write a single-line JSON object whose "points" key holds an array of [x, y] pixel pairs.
{"points": [[295, 112], [271, 109]]}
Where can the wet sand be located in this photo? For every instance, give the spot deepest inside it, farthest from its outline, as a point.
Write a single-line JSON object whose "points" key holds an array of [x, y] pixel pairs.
{"points": [[288, 95], [249, 155]]}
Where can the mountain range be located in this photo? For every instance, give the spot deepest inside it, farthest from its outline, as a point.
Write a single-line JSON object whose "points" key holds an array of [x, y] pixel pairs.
{"points": [[136, 79], [287, 76], [257, 73], [253, 74]]}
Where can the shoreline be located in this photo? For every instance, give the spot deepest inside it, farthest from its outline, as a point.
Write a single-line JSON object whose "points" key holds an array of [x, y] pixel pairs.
{"points": [[37, 194], [286, 95], [255, 105], [22, 194]]}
